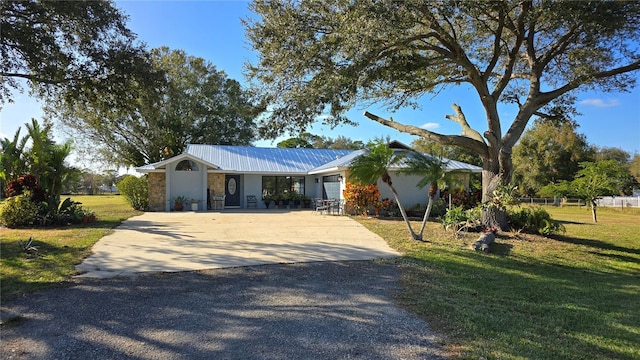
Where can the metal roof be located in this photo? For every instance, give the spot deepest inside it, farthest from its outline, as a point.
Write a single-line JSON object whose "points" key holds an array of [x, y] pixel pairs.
{"points": [[345, 162], [249, 159]]}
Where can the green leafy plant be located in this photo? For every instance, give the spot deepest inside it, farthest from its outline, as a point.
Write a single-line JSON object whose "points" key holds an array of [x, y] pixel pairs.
{"points": [[534, 220], [136, 191], [28, 247], [458, 218], [502, 197], [19, 211]]}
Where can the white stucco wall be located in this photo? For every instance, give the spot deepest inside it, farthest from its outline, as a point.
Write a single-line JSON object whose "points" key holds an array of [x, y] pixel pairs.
{"points": [[405, 185], [190, 184], [252, 186]]}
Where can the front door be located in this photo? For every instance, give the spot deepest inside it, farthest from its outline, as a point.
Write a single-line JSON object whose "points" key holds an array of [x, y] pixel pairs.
{"points": [[232, 191]]}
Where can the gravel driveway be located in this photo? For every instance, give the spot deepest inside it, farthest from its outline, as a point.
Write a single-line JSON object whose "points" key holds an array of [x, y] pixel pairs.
{"points": [[317, 310]]}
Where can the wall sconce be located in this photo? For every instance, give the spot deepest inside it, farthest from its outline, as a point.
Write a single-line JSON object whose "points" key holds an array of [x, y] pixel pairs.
{"points": [[316, 180], [340, 178]]}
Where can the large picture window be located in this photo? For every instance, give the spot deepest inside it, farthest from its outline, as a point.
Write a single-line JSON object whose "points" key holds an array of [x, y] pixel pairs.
{"points": [[273, 185]]}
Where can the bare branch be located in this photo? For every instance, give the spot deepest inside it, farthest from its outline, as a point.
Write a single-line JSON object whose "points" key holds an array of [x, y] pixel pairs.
{"points": [[462, 120], [456, 140]]}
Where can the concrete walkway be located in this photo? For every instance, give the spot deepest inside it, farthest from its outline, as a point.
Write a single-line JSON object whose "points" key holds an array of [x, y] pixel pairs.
{"points": [[184, 241]]}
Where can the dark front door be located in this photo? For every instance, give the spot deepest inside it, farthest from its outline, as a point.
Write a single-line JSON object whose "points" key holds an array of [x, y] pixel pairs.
{"points": [[232, 190]]}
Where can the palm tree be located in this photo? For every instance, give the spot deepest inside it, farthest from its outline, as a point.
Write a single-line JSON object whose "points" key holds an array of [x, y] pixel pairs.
{"points": [[46, 160], [434, 174], [373, 165], [12, 161]]}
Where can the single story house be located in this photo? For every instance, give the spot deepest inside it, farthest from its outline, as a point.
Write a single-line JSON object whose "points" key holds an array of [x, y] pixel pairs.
{"points": [[236, 173]]}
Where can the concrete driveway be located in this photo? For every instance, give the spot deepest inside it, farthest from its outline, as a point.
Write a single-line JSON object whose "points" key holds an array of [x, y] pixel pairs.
{"points": [[184, 241]]}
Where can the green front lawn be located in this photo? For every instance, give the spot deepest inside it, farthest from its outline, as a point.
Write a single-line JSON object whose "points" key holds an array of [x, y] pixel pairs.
{"points": [[575, 296], [59, 248]]}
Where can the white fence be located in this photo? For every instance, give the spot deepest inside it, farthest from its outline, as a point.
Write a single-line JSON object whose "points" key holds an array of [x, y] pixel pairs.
{"points": [[619, 201], [607, 201]]}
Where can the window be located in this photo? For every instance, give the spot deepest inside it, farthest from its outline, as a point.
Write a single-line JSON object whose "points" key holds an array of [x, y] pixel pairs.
{"points": [[187, 165], [272, 185]]}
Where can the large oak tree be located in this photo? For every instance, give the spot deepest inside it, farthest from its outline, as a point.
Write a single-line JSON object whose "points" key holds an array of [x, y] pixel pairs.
{"points": [[323, 57], [196, 104], [71, 49]]}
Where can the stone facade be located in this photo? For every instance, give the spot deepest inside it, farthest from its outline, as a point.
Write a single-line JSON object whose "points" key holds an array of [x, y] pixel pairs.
{"points": [[215, 184], [157, 193]]}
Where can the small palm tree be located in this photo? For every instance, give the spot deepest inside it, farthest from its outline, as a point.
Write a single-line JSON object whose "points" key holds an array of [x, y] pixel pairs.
{"points": [[373, 165], [434, 174]]}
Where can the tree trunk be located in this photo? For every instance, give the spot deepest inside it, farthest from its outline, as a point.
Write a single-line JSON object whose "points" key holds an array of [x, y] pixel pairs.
{"points": [[425, 217], [492, 217], [414, 236], [593, 211], [494, 173]]}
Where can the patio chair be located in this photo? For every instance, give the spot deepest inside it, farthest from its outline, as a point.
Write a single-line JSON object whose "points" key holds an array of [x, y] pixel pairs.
{"points": [[337, 207], [252, 202], [321, 206], [218, 202]]}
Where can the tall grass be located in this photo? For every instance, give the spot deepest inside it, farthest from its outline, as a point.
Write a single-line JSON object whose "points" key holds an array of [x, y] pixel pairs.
{"points": [[575, 296]]}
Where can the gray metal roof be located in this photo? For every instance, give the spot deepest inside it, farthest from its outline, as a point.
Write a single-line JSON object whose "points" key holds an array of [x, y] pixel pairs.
{"points": [[341, 162], [249, 159], [345, 161]]}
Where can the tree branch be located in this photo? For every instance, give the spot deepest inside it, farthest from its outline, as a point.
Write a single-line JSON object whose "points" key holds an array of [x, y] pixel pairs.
{"points": [[462, 121], [463, 141], [545, 97]]}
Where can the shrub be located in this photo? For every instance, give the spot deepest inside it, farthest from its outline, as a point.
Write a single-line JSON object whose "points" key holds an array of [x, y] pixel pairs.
{"points": [[72, 212], [535, 220], [24, 183], [359, 198], [18, 211], [457, 218], [136, 191], [453, 218]]}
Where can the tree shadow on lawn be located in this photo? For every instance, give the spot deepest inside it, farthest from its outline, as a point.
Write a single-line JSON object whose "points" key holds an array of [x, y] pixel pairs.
{"points": [[598, 244], [518, 301]]}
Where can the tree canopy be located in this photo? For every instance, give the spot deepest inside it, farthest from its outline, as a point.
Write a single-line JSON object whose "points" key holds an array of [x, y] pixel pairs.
{"points": [[322, 58], [197, 104], [75, 48], [549, 152], [311, 141]]}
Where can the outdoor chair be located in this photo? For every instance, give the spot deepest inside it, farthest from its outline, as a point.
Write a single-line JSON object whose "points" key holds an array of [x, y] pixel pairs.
{"points": [[337, 207], [252, 201], [321, 206], [218, 202]]}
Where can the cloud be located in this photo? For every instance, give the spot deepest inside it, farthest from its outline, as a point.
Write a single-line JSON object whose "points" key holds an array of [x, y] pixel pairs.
{"points": [[430, 126], [600, 102]]}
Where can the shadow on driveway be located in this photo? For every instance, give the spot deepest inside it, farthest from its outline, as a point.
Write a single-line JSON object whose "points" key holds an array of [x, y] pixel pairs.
{"points": [[321, 310]]}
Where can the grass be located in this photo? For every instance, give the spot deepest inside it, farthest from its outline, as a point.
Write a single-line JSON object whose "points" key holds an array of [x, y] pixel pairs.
{"points": [[575, 296], [59, 248]]}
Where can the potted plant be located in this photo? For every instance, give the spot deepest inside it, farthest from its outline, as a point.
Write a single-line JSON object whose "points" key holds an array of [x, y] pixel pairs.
{"points": [[178, 203], [194, 204], [306, 201], [286, 200], [297, 198], [267, 200]]}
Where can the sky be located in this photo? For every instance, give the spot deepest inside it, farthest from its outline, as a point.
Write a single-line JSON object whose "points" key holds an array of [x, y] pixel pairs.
{"points": [[212, 30]]}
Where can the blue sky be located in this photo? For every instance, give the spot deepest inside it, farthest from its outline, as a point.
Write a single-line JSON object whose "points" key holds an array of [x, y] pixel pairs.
{"points": [[212, 30]]}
